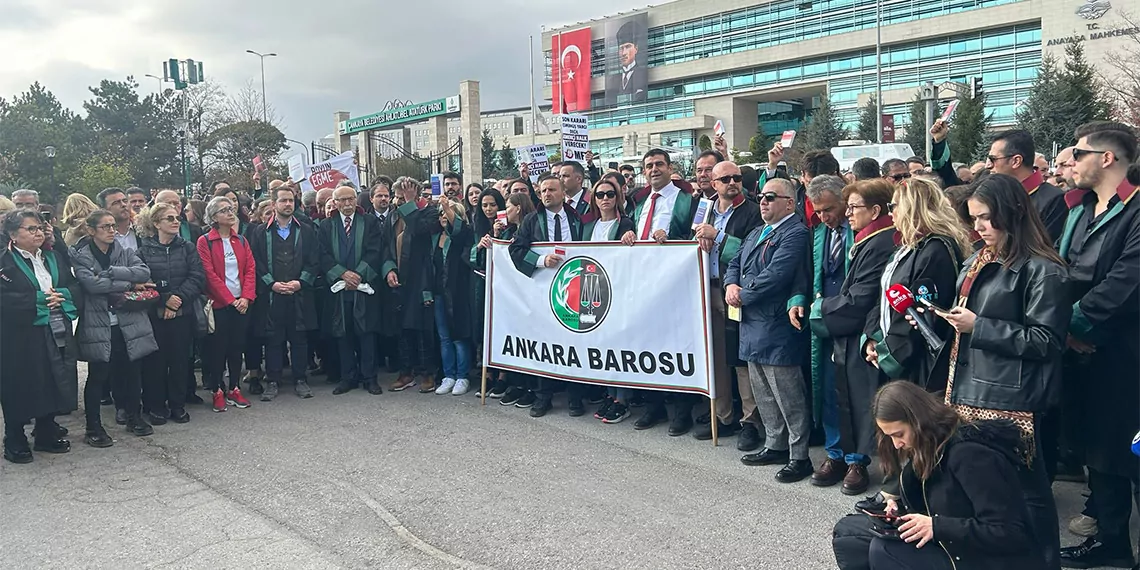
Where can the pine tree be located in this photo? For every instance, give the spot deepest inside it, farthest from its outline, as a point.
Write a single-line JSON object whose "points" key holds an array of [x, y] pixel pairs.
{"points": [[489, 153], [916, 131], [508, 165], [704, 143], [1063, 98], [969, 126], [869, 121], [823, 130]]}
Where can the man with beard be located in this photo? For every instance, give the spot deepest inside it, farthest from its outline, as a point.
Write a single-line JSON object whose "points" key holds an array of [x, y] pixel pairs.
{"points": [[731, 220], [407, 268], [350, 255], [288, 259], [759, 278], [554, 221], [1101, 243]]}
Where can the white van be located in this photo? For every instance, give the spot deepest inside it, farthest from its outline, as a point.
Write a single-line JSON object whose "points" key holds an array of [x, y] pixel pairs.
{"points": [[847, 155]]}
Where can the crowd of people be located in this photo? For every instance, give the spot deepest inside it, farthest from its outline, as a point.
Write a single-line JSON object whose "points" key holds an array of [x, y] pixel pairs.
{"points": [[975, 329]]}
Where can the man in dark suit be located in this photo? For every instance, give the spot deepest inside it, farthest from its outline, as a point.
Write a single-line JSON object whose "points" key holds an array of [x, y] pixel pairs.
{"points": [[664, 211], [554, 221], [759, 280], [631, 84], [350, 258], [573, 176], [731, 219]]}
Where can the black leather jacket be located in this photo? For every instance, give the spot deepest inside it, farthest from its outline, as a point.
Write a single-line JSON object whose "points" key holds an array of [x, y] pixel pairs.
{"points": [[1012, 360]]}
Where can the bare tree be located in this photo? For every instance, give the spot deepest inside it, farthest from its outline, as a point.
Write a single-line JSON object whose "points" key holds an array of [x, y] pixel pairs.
{"points": [[1122, 75], [245, 105]]}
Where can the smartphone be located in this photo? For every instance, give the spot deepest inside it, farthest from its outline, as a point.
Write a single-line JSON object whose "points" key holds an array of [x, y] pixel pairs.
{"points": [[931, 306]]}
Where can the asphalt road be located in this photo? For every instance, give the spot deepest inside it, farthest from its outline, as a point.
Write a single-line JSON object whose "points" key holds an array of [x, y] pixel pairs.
{"points": [[411, 481]]}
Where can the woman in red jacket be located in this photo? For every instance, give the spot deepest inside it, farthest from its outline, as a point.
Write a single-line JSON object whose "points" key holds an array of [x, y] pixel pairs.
{"points": [[231, 284]]}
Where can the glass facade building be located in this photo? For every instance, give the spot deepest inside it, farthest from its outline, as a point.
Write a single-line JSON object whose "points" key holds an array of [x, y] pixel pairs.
{"points": [[1006, 58]]}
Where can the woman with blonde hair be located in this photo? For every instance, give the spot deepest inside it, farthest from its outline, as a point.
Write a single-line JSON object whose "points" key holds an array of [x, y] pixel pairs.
{"points": [[75, 212], [6, 205], [176, 270], [932, 245], [451, 286]]}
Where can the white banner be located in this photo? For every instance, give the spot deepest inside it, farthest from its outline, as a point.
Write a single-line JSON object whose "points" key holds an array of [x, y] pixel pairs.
{"points": [[575, 137], [329, 173], [615, 315]]}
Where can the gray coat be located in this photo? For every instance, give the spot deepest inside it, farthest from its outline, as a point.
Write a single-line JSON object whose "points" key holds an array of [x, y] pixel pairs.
{"points": [[94, 331]]}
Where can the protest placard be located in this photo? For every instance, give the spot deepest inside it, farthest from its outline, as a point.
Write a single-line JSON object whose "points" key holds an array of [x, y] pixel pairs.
{"points": [[575, 138]]}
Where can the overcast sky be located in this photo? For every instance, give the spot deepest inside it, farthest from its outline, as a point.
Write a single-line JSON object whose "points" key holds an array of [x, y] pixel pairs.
{"points": [[350, 55]]}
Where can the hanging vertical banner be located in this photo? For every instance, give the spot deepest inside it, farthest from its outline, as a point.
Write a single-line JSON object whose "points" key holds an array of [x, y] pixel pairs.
{"points": [[888, 128], [570, 71], [575, 138], [592, 319], [534, 155], [329, 173], [627, 50]]}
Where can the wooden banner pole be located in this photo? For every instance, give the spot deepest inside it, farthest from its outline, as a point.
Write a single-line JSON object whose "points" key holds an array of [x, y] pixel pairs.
{"points": [[712, 418], [483, 388]]}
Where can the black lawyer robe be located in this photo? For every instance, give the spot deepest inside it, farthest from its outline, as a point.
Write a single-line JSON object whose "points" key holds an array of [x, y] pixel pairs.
{"points": [[407, 251], [269, 304], [366, 261]]}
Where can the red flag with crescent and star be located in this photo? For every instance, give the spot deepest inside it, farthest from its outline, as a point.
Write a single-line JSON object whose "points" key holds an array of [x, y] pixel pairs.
{"points": [[570, 71]]}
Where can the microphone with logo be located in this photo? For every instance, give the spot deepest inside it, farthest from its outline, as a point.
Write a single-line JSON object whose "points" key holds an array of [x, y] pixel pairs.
{"points": [[902, 301]]}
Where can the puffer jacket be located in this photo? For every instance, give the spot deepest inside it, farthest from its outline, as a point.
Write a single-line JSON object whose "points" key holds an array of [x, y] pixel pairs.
{"points": [[94, 330], [175, 269]]}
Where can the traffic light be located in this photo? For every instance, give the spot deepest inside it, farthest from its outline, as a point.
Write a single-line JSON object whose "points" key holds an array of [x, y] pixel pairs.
{"points": [[975, 87]]}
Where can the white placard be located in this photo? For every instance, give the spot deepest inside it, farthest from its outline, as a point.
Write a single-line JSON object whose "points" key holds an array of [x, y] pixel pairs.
{"points": [[535, 156], [575, 137]]}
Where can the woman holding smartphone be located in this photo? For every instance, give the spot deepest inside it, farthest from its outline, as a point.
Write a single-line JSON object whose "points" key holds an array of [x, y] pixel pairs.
{"points": [[960, 494], [1010, 322], [519, 387]]}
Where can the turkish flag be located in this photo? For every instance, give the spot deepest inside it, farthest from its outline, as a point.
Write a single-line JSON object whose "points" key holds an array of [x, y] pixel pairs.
{"points": [[570, 71]]}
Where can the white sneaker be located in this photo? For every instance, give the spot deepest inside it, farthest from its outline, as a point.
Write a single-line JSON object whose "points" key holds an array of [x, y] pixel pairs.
{"points": [[460, 387], [445, 386]]}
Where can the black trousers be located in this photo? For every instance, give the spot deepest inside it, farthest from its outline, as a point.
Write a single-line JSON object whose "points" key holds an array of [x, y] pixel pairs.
{"points": [[164, 383], [546, 388], [357, 357], [286, 325], [682, 403], [121, 374], [15, 437], [223, 349], [1112, 497], [857, 547], [416, 348]]}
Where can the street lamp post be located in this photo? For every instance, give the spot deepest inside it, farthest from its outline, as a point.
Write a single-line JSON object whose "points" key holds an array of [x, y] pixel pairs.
{"points": [[264, 108], [156, 78], [50, 152], [879, 68]]}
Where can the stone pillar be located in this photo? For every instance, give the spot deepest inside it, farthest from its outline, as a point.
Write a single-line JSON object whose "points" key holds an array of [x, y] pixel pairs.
{"points": [[629, 144], [364, 157], [343, 142], [437, 127], [471, 131]]}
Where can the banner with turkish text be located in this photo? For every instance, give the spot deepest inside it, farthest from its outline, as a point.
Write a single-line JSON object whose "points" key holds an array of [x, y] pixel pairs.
{"points": [[608, 314], [570, 71], [327, 174]]}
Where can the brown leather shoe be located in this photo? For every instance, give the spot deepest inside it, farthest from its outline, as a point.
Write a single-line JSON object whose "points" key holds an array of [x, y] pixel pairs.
{"points": [[829, 473], [428, 384], [402, 383], [856, 481]]}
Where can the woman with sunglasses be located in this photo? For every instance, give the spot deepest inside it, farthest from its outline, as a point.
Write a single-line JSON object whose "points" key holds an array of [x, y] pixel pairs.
{"points": [[231, 284], [113, 341], [843, 317], [176, 271], [38, 373], [932, 244], [1011, 320], [606, 221], [450, 293]]}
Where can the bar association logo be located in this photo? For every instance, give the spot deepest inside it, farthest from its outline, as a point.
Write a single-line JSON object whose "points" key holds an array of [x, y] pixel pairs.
{"points": [[580, 294]]}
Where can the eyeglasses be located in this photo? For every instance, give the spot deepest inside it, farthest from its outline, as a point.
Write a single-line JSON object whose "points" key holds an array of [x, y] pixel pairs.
{"points": [[605, 194], [226, 210], [1079, 153], [899, 177], [730, 178], [852, 207], [772, 196], [629, 176], [994, 159], [169, 219], [35, 229], [891, 207], [105, 227]]}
